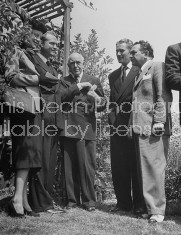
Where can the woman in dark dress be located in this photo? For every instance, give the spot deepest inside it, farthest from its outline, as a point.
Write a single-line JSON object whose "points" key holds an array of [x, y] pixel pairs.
{"points": [[26, 133]]}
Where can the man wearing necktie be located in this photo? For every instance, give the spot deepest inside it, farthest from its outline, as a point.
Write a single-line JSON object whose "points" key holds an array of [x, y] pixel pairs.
{"points": [[78, 137], [53, 90], [151, 126], [123, 73], [123, 156]]}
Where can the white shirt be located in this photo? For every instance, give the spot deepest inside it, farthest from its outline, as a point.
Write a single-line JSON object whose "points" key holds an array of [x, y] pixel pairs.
{"points": [[129, 66], [78, 78]]}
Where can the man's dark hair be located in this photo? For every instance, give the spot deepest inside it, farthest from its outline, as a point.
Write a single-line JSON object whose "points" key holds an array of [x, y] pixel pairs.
{"points": [[37, 25], [146, 48]]}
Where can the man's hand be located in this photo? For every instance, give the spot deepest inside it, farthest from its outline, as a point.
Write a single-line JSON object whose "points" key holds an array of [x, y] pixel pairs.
{"points": [[158, 129], [93, 87], [95, 96], [85, 85]]}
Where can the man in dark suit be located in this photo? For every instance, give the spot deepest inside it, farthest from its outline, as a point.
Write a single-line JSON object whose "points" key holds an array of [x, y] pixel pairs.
{"points": [[173, 69], [151, 126], [123, 156], [41, 184], [79, 136]]}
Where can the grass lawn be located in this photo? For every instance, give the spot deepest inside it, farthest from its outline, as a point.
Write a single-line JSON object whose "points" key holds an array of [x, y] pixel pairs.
{"points": [[80, 222]]}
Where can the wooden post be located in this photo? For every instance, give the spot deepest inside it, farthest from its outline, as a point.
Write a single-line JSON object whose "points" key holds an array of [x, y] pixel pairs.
{"points": [[66, 38]]}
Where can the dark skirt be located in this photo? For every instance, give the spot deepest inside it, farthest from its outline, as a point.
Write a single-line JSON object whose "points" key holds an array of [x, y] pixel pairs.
{"points": [[26, 142]]}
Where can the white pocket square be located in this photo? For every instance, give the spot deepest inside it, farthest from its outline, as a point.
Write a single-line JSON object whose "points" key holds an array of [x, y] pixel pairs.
{"points": [[147, 76]]}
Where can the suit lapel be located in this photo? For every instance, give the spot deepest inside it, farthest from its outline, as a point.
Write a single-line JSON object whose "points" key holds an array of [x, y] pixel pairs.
{"points": [[70, 79], [117, 83], [42, 64], [129, 79], [85, 78], [145, 70]]}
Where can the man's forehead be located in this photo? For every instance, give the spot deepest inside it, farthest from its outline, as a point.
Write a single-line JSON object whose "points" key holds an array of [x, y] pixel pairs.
{"points": [[37, 32], [75, 58], [121, 45], [52, 38], [135, 47]]}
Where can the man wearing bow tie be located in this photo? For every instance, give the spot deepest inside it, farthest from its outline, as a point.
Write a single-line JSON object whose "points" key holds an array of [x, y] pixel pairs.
{"points": [[79, 136], [151, 126], [123, 157]]}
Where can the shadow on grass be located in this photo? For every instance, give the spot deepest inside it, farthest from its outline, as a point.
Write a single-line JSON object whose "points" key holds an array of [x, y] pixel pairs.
{"points": [[107, 206], [173, 210], [3, 203]]}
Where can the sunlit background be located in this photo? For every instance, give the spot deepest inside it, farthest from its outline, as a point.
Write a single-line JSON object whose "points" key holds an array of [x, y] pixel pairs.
{"points": [[157, 21]]}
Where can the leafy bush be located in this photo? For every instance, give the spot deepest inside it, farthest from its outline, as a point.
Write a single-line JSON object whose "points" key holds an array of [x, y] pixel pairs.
{"points": [[173, 170]]}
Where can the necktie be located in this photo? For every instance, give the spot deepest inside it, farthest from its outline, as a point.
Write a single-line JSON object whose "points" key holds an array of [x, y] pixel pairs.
{"points": [[77, 79], [48, 63], [123, 73], [139, 72]]}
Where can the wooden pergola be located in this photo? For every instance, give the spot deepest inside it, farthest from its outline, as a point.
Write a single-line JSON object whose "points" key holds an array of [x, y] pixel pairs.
{"points": [[51, 9]]}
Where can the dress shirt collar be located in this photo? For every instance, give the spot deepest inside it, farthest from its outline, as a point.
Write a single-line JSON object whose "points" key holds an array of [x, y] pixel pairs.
{"points": [[145, 64], [77, 78], [128, 67]]}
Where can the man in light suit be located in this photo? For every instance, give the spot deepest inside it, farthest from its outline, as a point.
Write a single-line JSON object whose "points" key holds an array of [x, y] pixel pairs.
{"points": [[151, 126], [79, 136], [123, 157]]}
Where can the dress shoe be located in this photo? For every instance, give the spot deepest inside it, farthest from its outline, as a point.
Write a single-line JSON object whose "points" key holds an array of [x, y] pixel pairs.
{"points": [[56, 210], [120, 209], [139, 211], [31, 213], [143, 216], [89, 208], [12, 211], [115, 209], [156, 219], [71, 206]]}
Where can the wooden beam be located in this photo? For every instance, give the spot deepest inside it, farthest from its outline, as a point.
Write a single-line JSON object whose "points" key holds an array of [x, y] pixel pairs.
{"points": [[47, 10], [66, 38], [67, 3], [16, 1], [43, 13], [55, 16], [48, 14], [45, 5], [27, 3]]}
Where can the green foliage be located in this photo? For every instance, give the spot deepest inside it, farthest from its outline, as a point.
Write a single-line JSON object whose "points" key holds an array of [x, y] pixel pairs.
{"points": [[10, 35], [173, 171], [96, 63]]}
